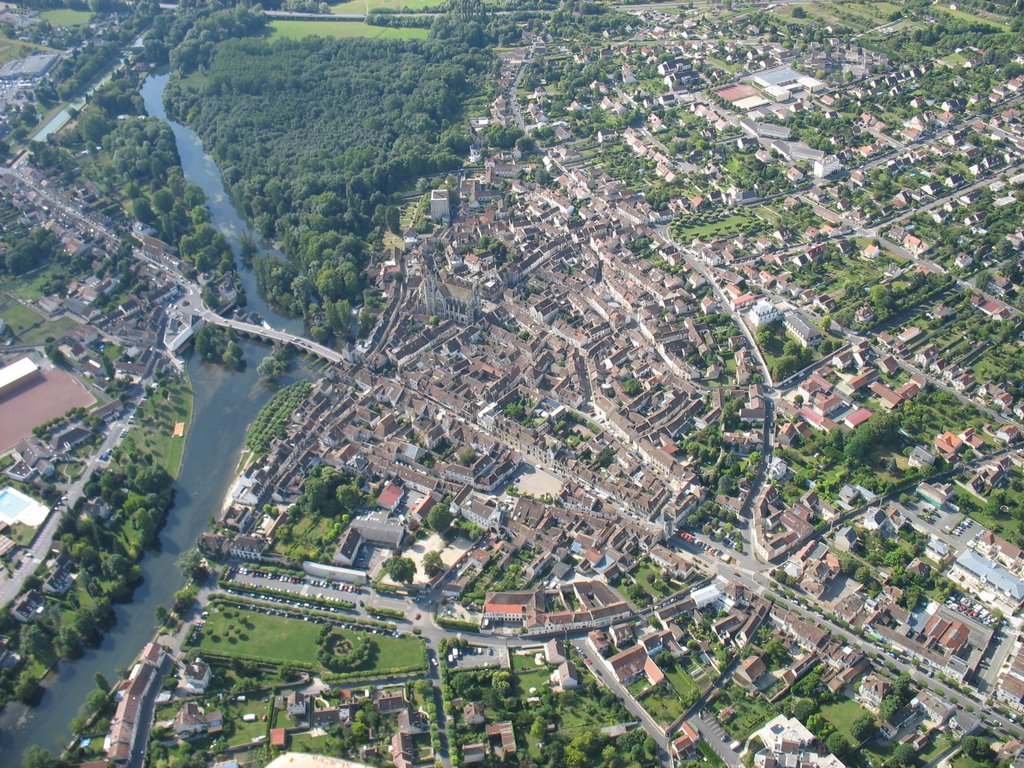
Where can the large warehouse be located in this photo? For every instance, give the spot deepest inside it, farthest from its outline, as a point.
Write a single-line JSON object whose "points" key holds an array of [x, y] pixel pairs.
{"points": [[17, 374]]}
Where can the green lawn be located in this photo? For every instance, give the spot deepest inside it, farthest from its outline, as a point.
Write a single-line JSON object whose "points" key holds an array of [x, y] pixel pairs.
{"points": [[710, 755], [28, 287], [963, 761], [683, 232], [154, 425], [955, 60], [20, 534], [18, 316], [537, 677], [295, 30], [235, 632], [66, 17], [842, 715], [750, 711], [683, 683], [656, 587], [41, 333], [663, 703]]}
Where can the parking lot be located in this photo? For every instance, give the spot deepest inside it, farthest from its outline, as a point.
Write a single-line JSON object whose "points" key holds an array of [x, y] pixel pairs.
{"points": [[954, 528], [971, 608], [476, 657], [305, 586], [301, 587]]}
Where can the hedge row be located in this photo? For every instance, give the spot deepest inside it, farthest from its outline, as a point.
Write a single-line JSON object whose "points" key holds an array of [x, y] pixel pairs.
{"points": [[456, 624], [391, 613], [341, 605], [240, 601]]}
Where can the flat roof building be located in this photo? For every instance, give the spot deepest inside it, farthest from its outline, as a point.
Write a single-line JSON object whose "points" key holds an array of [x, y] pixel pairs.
{"points": [[17, 374]]}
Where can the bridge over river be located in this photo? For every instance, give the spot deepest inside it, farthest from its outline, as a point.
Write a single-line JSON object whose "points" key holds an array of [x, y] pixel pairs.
{"points": [[252, 330]]}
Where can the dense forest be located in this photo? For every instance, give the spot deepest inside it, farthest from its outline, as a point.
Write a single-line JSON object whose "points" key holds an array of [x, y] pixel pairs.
{"points": [[314, 138]]}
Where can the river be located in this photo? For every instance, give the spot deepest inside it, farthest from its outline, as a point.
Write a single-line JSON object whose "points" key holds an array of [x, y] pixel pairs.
{"points": [[225, 403], [200, 169]]}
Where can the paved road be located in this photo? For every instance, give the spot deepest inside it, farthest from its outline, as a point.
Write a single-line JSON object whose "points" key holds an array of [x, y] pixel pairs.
{"points": [[717, 738], [603, 672]]}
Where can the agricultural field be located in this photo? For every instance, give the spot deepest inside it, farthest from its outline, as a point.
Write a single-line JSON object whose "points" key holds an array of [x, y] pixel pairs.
{"points": [[296, 30], [31, 286], [972, 18], [858, 15]]}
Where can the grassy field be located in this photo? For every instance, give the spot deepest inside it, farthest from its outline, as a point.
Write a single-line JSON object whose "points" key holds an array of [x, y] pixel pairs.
{"points": [[731, 224], [40, 333], [710, 756], [656, 587], [365, 6], [28, 287], [955, 60], [66, 17], [682, 682], [749, 711], [246, 634], [537, 677], [661, 703], [295, 30], [971, 18], [10, 50], [155, 422], [18, 316], [842, 715]]}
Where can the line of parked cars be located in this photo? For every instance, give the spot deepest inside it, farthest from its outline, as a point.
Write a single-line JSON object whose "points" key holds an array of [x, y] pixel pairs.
{"points": [[323, 583]]}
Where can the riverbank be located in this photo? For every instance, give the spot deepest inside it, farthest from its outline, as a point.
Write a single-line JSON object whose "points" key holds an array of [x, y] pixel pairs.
{"points": [[147, 440], [213, 407], [224, 404]]}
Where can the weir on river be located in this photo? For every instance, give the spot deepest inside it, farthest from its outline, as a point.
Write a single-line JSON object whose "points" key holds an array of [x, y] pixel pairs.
{"points": [[225, 403]]}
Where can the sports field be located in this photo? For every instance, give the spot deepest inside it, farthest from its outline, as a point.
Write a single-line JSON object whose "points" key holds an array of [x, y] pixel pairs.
{"points": [[53, 395]]}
